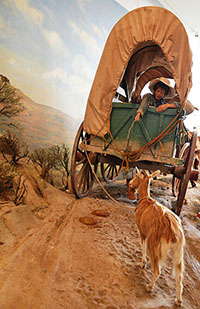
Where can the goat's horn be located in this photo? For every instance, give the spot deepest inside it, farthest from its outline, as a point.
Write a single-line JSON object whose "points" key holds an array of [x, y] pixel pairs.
{"points": [[137, 169]]}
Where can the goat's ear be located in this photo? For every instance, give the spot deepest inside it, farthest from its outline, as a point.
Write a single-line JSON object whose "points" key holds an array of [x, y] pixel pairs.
{"points": [[154, 174]]}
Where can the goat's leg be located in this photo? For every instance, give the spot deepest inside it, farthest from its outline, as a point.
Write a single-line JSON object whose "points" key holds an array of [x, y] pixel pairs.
{"points": [[178, 269], [144, 249], [179, 285], [156, 274]]}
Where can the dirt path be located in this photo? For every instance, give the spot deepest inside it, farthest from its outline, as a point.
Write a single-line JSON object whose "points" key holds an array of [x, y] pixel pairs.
{"points": [[51, 259]]}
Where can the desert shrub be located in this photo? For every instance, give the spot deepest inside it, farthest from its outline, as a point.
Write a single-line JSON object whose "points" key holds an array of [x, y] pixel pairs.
{"points": [[52, 161], [11, 145], [46, 159], [7, 174], [10, 104]]}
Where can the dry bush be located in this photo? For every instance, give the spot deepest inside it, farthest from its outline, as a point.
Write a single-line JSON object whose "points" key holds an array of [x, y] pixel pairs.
{"points": [[7, 174], [52, 161], [12, 148]]}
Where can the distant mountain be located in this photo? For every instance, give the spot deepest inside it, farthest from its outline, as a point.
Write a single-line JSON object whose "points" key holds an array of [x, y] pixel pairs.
{"points": [[44, 126]]}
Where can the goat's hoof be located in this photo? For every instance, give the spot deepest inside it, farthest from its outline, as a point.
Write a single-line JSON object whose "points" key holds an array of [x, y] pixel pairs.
{"points": [[149, 288], [178, 302]]}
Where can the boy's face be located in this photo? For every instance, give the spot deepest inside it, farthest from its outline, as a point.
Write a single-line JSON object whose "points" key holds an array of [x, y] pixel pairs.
{"points": [[159, 93]]}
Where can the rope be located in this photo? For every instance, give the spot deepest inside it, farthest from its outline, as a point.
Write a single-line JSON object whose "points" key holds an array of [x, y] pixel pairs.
{"points": [[129, 130], [135, 155], [97, 179], [99, 182]]}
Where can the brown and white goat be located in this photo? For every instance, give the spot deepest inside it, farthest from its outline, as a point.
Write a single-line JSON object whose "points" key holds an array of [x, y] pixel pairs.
{"points": [[160, 230]]}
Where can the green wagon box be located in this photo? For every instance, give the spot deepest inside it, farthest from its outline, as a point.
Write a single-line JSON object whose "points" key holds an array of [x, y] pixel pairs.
{"points": [[127, 137]]}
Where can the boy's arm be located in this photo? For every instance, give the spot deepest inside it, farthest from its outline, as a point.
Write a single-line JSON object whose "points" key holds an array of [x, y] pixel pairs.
{"points": [[146, 100], [163, 107]]}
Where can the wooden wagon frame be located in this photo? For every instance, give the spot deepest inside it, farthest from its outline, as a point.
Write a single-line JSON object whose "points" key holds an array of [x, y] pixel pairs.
{"points": [[146, 43]]}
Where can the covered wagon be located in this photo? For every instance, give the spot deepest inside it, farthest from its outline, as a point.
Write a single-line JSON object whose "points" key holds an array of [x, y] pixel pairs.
{"points": [[145, 44]]}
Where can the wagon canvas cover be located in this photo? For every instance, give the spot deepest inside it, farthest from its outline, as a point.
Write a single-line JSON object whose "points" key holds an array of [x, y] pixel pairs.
{"points": [[146, 43]]}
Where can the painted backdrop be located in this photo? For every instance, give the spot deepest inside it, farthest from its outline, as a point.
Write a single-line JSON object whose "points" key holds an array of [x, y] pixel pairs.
{"points": [[50, 49]]}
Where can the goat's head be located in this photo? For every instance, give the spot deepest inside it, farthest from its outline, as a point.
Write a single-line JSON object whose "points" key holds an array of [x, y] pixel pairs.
{"points": [[139, 178]]}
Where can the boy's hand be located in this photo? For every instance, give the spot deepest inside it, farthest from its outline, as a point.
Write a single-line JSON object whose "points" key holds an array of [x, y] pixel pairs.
{"points": [[162, 108], [137, 117]]}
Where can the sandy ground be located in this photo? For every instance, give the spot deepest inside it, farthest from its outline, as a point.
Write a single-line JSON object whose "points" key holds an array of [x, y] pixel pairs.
{"points": [[56, 252]]}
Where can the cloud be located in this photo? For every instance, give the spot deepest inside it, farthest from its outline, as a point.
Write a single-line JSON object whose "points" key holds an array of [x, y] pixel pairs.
{"points": [[88, 40], [55, 42], [97, 30], [76, 86], [5, 30], [11, 61], [81, 72], [101, 32], [81, 67], [83, 4], [29, 12], [56, 74]]}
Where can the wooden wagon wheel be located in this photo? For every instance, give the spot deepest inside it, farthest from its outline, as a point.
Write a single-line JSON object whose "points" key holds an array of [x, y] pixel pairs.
{"points": [[176, 181], [110, 172], [188, 163], [82, 177]]}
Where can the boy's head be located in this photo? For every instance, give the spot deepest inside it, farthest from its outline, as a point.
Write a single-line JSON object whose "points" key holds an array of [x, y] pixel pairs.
{"points": [[161, 88]]}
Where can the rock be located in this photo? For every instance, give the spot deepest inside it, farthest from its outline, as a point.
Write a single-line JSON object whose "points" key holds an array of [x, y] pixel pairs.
{"points": [[101, 213], [88, 220]]}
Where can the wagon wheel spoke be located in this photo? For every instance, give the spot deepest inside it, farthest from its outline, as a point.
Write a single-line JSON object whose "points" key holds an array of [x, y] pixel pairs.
{"points": [[189, 161], [110, 172], [110, 169], [176, 181], [86, 178], [81, 162], [80, 152], [83, 178], [81, 175], [89, 178], [116, 171], [82, 183], [108, 166]]}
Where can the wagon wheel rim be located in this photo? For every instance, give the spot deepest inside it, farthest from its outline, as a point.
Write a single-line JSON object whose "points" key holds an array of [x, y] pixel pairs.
{"points": [[176, 181], [82, 177], [185, 178], [110, 172]]}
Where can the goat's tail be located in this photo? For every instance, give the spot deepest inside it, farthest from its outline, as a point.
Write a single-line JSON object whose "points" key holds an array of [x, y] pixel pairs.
{"points": [[157, 252]]}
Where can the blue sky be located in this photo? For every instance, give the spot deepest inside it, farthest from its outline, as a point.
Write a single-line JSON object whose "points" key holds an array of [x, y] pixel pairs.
{"points": [[50, 49]]}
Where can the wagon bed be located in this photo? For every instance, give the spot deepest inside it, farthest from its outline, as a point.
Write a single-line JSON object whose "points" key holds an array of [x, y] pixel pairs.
{"points": [[151, 125]]}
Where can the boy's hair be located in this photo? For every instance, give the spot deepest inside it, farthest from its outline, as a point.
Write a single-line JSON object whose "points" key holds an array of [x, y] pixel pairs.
{"points": [[161, 85]]}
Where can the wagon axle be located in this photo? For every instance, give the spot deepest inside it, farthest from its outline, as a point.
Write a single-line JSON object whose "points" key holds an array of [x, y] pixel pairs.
{"points": [[180, 171]]}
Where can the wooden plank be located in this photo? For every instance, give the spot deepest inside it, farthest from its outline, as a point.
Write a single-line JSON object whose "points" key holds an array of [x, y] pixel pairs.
{"points": [[120, 126], [146, 135], [144, 156]]}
